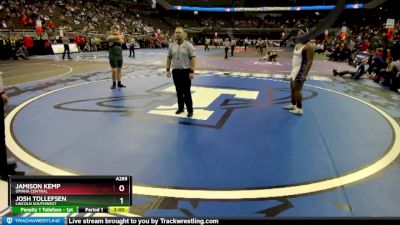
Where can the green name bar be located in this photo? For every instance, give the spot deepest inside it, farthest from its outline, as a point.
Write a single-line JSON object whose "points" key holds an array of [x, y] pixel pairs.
{"points": [[44, 209]]}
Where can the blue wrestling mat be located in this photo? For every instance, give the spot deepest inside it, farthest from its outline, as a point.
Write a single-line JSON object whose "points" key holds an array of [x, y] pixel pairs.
{"points": [[240, 155]]}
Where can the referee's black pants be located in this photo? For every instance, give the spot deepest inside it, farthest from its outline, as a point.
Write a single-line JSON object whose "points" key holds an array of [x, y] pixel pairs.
{"points": [[182, 84], [66, 49]]}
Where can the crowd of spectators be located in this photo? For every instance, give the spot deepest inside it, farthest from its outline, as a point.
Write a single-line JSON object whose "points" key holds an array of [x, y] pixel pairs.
{"points": [[72, 15], [256, 22], [85, 23]]}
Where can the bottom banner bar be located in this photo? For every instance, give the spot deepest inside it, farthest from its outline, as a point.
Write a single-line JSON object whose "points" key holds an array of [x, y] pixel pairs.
{"points": [[200, 221], [139, 221], [211, 221]]}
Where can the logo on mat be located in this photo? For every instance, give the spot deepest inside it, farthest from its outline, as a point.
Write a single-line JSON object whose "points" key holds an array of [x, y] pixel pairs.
{"points": [[212, 105]]}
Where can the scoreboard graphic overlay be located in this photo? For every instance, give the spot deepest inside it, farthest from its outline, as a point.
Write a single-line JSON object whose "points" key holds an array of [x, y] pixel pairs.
{"points": [[70, 194]]}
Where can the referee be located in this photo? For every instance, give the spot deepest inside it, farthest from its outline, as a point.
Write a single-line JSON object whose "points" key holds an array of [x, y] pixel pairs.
{"points": [[183, 58]]}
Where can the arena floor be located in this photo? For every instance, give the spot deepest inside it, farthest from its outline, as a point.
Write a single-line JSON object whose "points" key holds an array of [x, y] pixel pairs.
{"points": [[241, 155]]}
